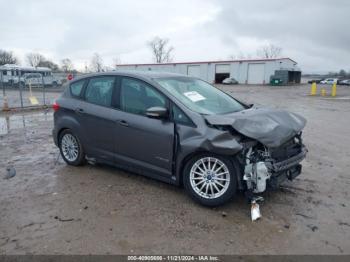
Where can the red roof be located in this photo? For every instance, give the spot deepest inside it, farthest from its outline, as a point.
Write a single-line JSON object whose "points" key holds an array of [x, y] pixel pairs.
{"points": [[207, 62]]}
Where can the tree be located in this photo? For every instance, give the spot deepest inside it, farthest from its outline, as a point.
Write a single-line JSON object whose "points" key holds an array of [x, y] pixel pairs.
{"points": [[269, 51], [67, 65], [7, 58], [96, 63], [47, 63], [160, 49], [34, 59], [342, 73], [116, 61]]}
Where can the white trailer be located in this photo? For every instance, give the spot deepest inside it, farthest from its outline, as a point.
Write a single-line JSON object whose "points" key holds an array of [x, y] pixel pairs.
{"points": [[12, 74]]}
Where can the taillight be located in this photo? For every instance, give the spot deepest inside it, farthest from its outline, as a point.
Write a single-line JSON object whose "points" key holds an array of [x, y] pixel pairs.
{"points": [[55, 106]]}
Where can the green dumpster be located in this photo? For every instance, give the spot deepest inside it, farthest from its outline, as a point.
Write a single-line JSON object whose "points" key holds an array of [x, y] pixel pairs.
{"points": [[276, 82]]}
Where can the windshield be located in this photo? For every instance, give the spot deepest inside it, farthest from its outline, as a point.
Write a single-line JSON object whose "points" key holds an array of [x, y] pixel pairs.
{"points": [[199, 96]]}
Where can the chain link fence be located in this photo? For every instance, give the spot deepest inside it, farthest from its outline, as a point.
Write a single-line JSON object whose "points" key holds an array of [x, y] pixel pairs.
{"points": [[33, 90]]}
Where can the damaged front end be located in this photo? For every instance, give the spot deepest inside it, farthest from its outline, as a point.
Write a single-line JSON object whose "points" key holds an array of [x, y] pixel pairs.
{"points": [[272, 146], [268, 167]]}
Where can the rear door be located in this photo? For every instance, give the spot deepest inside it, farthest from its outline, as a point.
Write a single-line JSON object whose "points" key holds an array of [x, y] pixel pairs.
{"points": [[142, 142], [96, 117]]}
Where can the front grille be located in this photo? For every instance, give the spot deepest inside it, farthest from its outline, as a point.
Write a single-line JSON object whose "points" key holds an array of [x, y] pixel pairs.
{"points": [[289, 162], [289, 149]]}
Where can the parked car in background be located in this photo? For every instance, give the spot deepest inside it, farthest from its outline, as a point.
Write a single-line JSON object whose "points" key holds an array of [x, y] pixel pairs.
{"points": [[32, 79], [345, 82], [230, 81], [317, 81], [329, 81], [180, 130]]}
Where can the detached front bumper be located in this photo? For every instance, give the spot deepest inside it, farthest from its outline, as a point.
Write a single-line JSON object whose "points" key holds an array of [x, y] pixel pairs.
{"points": [[285, 170], [288, 163]]}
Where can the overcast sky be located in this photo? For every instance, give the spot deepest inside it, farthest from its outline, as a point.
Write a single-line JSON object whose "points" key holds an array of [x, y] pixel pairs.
{"points": [[315, 33]]}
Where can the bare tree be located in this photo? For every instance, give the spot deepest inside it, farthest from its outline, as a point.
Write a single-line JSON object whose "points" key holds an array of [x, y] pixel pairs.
{"points": [[67, 65], [96, 63], [342, 73], [116, 61], [160, 49], [7, 57], [269, 51], [47, 63], [34, 59]]}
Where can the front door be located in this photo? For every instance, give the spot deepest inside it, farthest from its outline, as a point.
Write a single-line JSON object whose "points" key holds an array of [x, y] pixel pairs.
{"points": [[144, 142]]}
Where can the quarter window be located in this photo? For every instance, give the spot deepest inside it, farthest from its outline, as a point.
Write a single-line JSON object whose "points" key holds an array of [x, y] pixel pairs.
{"points": [[180, 117], [99, 91], [76, 87], [136, 96]]}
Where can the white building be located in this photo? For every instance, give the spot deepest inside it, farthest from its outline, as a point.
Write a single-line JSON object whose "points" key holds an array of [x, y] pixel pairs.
{"points": [[246, 71]]}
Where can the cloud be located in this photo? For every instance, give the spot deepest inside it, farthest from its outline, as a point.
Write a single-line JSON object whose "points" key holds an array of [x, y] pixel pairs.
{"points": [[314, 33]]}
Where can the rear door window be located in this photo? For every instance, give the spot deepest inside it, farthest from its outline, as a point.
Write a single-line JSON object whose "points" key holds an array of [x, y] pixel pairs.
{"points": [[99, 90]]}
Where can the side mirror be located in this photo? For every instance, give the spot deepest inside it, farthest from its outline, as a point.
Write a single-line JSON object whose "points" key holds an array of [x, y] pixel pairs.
{"points": [[157, 112]]}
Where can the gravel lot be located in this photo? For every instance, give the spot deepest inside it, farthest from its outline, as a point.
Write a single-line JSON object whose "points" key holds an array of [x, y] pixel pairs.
{"points": [[52, 208]]}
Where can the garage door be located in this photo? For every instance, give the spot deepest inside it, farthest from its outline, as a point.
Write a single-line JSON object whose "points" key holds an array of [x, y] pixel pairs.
{"points": [[221, 69], [256, 73], [194, 70], [221, 72]]}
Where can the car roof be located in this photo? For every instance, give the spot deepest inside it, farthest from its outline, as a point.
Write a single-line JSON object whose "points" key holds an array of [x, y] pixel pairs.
{"points": [[132, 73]]}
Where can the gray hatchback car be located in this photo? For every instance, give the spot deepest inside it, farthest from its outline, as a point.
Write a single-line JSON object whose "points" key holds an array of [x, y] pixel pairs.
{"points": [[180, 130]]}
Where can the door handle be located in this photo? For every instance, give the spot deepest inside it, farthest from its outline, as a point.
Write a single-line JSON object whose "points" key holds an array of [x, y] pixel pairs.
{"points": [[123, 123], [79, 110]]}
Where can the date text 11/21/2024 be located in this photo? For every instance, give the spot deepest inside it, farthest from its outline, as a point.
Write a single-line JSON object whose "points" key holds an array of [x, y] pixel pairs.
{"points": [[173, 258]]}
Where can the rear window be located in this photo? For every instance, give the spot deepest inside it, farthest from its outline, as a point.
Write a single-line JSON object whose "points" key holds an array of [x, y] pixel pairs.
{"points": [[76, 88]]}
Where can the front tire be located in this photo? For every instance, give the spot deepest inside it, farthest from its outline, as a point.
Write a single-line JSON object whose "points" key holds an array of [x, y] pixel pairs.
{"points": [[71, 149], [210, 179]]}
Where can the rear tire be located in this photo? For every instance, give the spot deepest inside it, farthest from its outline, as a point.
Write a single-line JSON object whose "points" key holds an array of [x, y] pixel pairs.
{"points": [[71, 149], [210, 179]]}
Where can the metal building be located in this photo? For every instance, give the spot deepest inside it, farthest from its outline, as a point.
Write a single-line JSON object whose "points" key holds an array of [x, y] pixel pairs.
{"points": [[246, 71]]}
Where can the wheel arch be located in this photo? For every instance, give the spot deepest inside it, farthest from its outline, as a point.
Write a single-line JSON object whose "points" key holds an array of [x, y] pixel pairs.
{"points": [[60, 132], [67, 122]]}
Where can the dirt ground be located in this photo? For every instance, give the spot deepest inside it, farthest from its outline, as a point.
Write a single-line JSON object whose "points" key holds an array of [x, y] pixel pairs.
{"points": [[52, 208]]}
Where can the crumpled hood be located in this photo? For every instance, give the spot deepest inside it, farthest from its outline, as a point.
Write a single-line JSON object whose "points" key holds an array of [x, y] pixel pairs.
{"points": [[271, 127]]}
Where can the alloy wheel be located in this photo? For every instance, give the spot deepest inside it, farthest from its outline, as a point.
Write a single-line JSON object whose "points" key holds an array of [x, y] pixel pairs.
{"points": [[209, 177], [70, 147]]}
